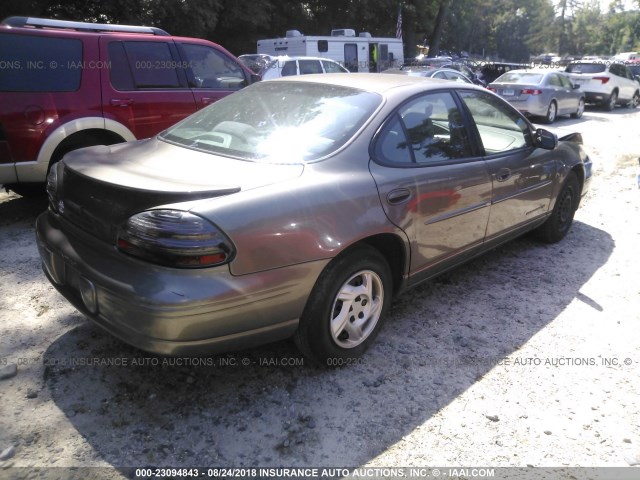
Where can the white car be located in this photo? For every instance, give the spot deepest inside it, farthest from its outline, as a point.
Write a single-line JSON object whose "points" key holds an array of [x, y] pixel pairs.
{"points": [[605, 84], [287, 66]]}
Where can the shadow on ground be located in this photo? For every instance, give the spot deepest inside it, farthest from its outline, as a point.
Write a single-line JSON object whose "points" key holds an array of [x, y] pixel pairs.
{"points": [[243, 409]]}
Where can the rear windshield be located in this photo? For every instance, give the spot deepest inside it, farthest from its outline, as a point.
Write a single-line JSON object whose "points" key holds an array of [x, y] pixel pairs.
{"points": [[39, 64], [586, 68], [277, 122], [520, 78]]}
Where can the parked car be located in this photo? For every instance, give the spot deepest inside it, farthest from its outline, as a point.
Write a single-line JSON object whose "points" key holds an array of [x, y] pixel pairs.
{"points": [[466, 71], [298, 208], [441, 73], [285, 66], [634, 68], [606, 84], [489, 71], [66, 85], [540, 93]]}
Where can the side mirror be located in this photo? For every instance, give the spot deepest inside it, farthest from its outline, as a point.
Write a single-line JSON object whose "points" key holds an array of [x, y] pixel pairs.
{"points": [[576, 86], [545, 139]]}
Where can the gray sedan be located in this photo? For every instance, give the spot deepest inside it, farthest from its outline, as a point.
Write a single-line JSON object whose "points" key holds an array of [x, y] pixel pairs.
{"points": [[429, 72], [298, 208], [540, 93]]}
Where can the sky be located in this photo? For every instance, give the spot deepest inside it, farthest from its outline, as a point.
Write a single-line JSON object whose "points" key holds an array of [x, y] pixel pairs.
{"points": [[628, 5]]}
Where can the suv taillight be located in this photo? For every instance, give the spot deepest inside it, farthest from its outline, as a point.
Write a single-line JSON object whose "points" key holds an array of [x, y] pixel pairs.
{"points": [[174, 238], [602, 79]]}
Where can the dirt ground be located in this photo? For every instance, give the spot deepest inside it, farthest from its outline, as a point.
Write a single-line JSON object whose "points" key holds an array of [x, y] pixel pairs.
{"points": [[528, 356]]}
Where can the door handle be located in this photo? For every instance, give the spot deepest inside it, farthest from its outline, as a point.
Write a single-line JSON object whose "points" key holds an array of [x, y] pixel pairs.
{"points": [[503, 174], [121, 102], [396, 197]]}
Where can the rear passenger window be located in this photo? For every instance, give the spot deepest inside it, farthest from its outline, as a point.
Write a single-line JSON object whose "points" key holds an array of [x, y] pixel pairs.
{"points": [[212, 68], [152, 65], [40, 64], [309, 66], [427, 130], [554, 81], [289, 69]]}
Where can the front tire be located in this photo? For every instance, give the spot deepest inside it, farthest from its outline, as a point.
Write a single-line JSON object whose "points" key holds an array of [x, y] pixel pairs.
{"points": [[578, 113], [635, 100], [346, 307], [559, 223]]}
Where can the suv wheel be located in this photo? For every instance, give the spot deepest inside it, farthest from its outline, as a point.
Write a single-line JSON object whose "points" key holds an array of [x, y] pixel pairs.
{"points": [[635, 101], [610, 104]]}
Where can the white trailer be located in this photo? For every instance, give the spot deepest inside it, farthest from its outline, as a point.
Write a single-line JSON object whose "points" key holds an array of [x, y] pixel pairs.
{"points": [[362, 53]]}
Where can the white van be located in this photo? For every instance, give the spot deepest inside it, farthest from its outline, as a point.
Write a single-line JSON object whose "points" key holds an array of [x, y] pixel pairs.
{"points": [[362, 53], [625, 56]]}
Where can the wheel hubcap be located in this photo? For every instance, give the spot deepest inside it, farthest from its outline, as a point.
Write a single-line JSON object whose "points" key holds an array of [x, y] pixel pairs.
{"points": [[565, 210], [356, 309], [552, 112], [580, 108]]}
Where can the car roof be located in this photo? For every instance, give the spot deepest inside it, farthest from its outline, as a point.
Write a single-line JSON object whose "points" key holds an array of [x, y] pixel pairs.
{"points": [[300, 57], [537, 71], [378, 82]]}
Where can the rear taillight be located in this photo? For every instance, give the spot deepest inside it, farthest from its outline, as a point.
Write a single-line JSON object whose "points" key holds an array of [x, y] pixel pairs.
{"points": [[174, 238], [492, 89], [602, 79], [530, 91]]}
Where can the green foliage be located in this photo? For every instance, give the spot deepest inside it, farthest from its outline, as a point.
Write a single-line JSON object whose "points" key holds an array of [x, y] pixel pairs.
{"points": [[499, 29]]}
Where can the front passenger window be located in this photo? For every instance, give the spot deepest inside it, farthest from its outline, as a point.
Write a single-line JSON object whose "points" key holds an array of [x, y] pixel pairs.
{"points": [[501, 129], [213, 69]]}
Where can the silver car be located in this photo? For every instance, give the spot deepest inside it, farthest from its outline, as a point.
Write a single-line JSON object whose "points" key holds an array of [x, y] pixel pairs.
{"points": [[540, 93], [441, 73], [299, 208]]}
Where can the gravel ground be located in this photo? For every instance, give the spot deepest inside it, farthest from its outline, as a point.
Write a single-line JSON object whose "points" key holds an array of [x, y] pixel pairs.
{"points": [[528, 356]]}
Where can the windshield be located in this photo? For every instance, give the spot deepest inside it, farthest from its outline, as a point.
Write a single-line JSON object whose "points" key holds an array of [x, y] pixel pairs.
{"points": [[520, 78], [277, 122], [586, 68]]}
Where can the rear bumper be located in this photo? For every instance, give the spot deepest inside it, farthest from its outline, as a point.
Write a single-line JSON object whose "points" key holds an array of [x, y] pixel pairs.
{"points": [[597, 97], [531, 106], [173, 311]]}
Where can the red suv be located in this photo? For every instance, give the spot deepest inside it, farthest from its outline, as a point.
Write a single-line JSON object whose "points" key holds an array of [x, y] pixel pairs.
{"points": [[67, 85]]}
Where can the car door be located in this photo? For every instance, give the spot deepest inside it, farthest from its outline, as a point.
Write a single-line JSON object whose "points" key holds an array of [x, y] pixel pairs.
{"points": [[560, 92], [521, 174], [573, 94], [430, 183], [630, 82], [212, 74], [144, 87]]}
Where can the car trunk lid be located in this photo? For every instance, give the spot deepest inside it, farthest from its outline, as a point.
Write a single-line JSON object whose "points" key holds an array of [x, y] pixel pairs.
{"points": [[103, 186]]}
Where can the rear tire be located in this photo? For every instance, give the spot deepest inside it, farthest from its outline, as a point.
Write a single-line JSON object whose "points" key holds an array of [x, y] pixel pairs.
{"points": [[559, 223], [344, 312], [610, 104]]}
